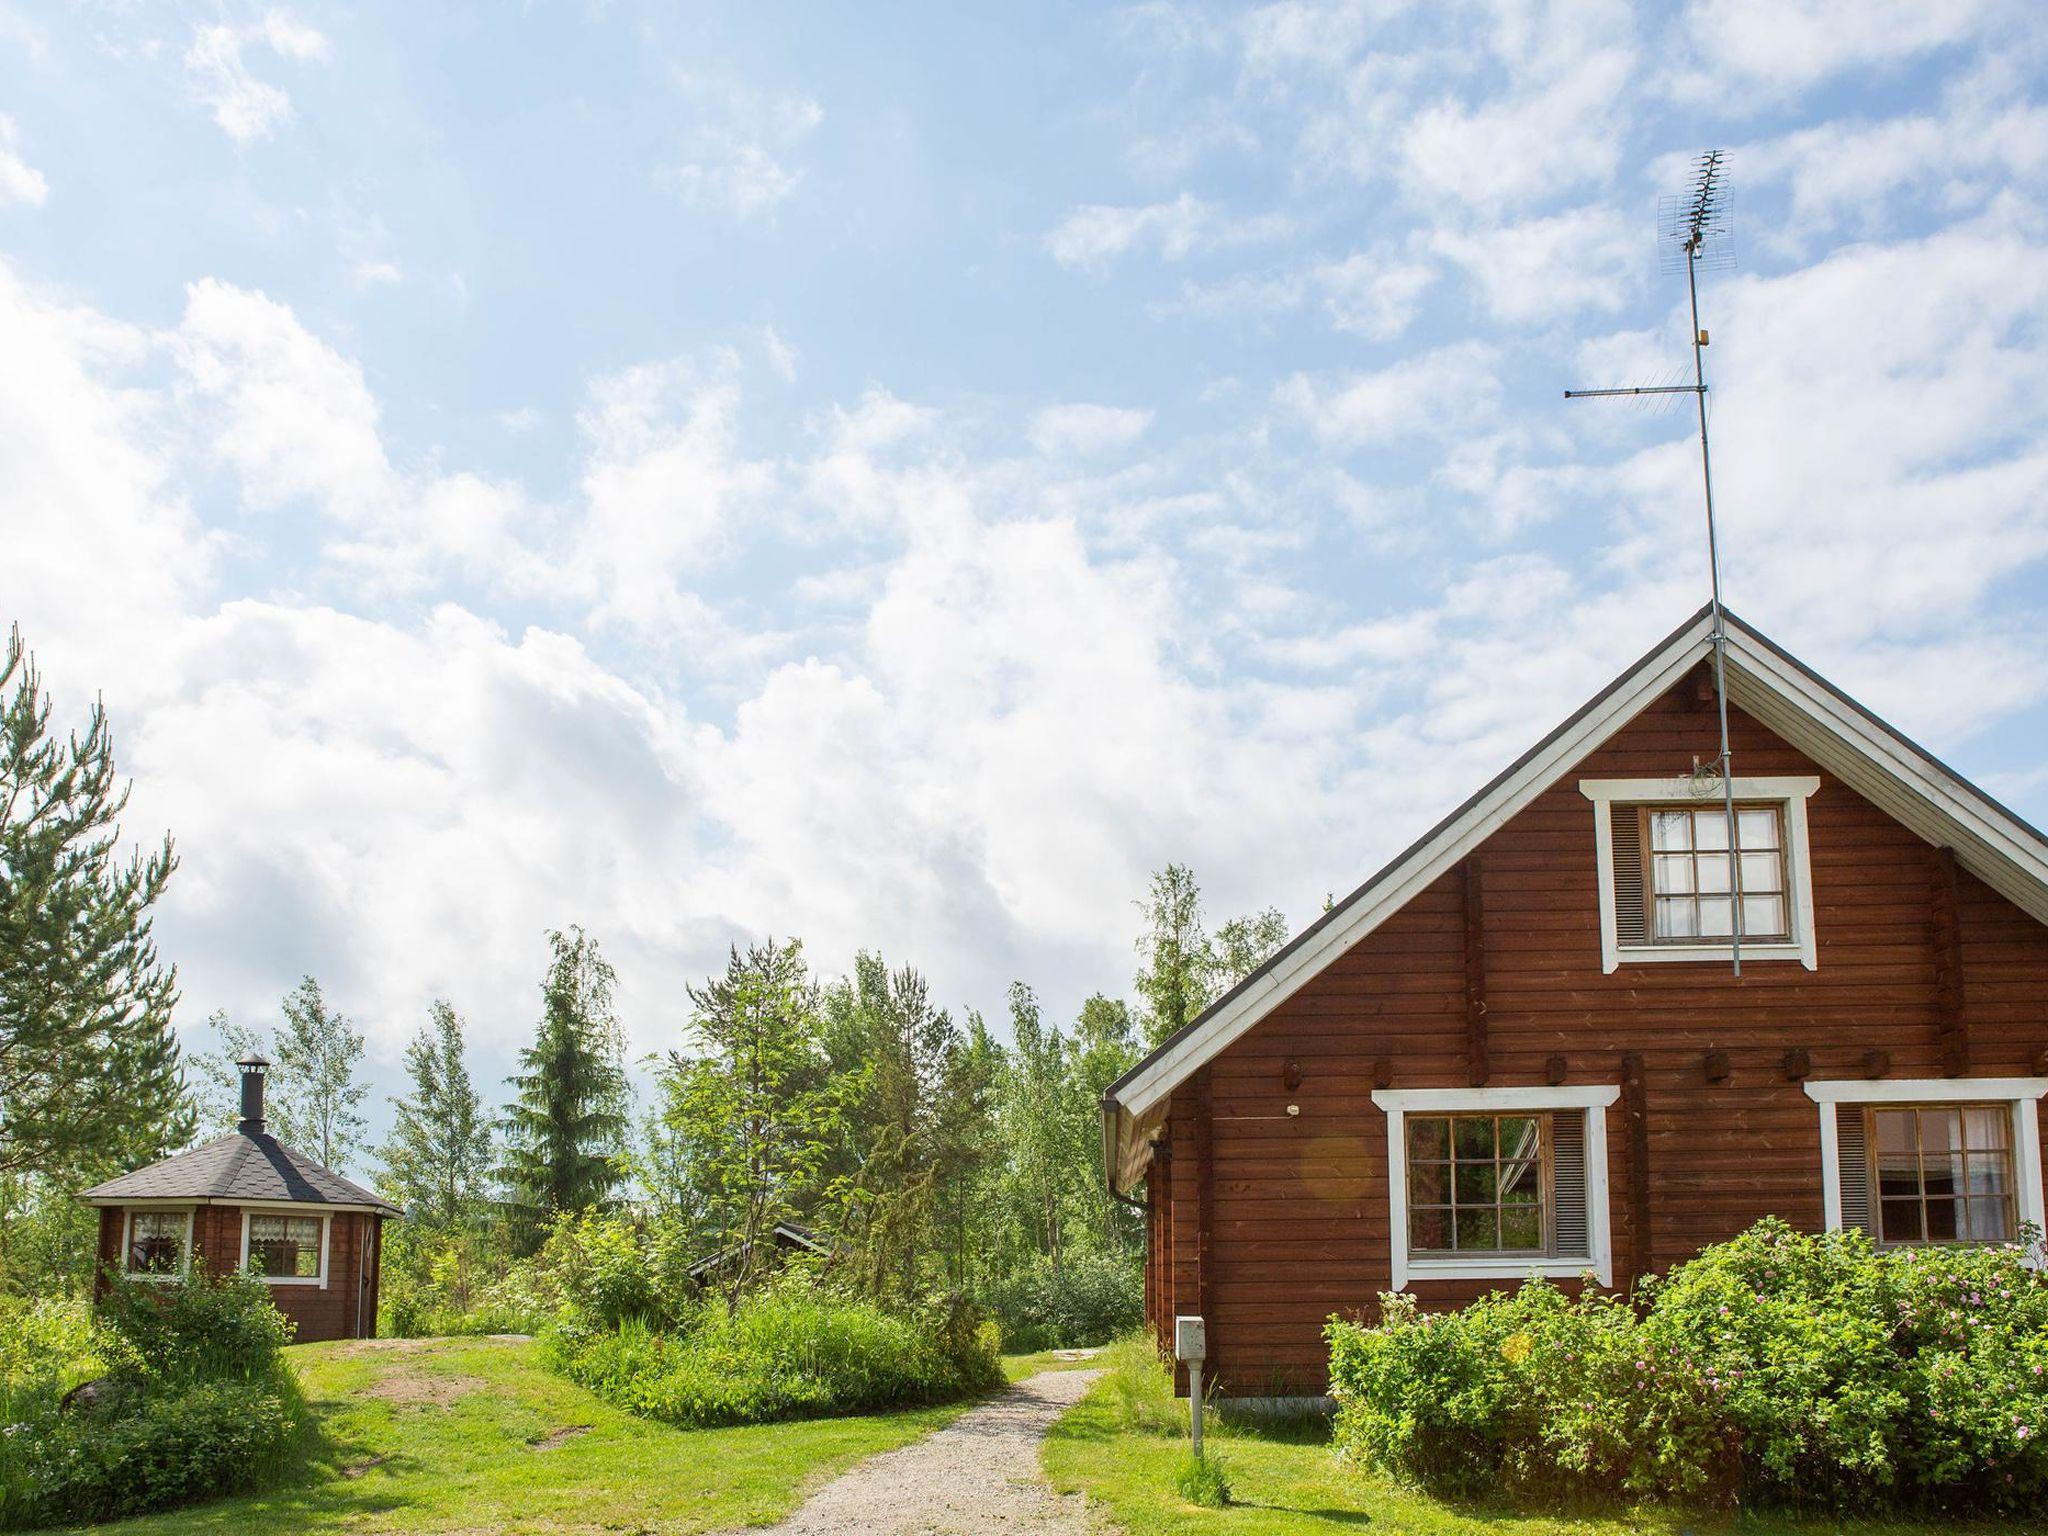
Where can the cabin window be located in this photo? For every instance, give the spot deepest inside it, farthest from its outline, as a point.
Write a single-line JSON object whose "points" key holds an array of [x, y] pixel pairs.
{"points": [[1674, 884], [284, 1248], [1934, 1161], [1498, 1183], [158, 1243]]}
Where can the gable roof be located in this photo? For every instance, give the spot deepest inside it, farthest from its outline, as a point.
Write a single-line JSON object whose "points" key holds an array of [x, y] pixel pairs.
{"points": [[784, 1234], [242, 1166], [1764, 681]]}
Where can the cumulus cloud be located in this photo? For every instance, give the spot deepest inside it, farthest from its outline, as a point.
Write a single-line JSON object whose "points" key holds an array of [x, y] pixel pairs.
{"points": [[736, 146], [20, 182], [1080, 428]]}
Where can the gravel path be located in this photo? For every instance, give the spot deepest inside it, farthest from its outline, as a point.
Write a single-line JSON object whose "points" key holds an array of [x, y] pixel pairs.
{"points": [[979, 1473]]}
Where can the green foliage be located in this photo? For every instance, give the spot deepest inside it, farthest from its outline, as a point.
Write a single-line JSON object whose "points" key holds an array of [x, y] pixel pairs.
{"points": [[1780, 1368], [196, 1402], [1184, 969], [783, 1353], [1203, 1480], [87, 1052], [438, 1157], [48, 1240], [1088, 1300], [565, 1129], [319, 1052], [1142, 1387]]}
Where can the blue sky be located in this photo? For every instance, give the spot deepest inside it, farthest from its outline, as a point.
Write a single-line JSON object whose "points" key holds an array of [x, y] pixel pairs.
{"points": [[898, 475]]}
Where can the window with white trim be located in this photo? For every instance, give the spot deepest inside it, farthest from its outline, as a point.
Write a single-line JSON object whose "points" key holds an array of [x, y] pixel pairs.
{"points": [[285, 1248], [1497, 1183], [1673, 888], [1931, 1161], [157, 1244]]}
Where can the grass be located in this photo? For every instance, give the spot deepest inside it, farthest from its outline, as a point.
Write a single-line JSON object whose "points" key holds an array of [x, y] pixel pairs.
{"points": [[473, 1435], [1125, 1446], [1017, 1367]]}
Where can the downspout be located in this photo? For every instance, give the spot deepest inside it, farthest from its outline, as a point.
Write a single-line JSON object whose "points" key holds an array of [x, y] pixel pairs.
{"points": [[1109, 1158]]}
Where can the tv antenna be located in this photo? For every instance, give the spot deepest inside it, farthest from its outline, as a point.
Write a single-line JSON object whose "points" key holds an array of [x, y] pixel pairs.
{"points": [[1692, 232]]}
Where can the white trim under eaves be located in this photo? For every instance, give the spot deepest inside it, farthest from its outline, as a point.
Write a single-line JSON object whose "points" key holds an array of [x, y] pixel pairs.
{"points": [[1423, 865], [2022, 1093], [1791, 792], [1593, 1101]]}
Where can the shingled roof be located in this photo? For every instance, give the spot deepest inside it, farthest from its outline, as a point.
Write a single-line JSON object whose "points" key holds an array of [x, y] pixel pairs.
{"points": [[241, 1167]]}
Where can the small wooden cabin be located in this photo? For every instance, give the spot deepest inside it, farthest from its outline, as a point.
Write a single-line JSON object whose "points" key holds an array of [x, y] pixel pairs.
{"points": [[1522, 1048], [247, 1202]]}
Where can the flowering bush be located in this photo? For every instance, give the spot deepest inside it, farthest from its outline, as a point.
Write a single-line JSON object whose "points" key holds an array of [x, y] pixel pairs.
{"points": [[1780, 1367]]}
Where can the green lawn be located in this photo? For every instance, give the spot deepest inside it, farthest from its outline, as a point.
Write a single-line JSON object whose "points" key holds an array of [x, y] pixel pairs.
{"points": [[1288, 1483], [472, 1435]]}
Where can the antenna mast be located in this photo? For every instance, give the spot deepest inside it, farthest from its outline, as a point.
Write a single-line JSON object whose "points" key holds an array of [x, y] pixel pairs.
{"points": [[1693, 228]]}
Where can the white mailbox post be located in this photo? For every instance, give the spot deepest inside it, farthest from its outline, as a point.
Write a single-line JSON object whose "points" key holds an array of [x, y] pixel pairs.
{"points": [[1190, 1344]]}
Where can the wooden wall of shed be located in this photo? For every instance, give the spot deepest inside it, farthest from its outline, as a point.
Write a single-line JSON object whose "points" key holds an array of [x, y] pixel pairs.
{"points": [[332, 1311], [1298, 1206]]}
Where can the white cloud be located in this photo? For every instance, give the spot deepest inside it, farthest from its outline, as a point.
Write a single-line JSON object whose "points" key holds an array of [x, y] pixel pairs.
{"points": [[736, 145], [1789, 45], [1546, 268], [20, 182], [247, 108], [1435, 394], [1086, 429], [1373, 295], [1096, 233]]}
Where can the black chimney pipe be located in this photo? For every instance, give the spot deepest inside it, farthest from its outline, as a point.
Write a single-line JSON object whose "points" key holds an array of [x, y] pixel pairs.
{"points": [[253, 1070]]}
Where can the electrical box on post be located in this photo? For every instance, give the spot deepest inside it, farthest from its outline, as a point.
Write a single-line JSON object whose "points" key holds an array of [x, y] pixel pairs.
{"points": [[1190, 1338]]}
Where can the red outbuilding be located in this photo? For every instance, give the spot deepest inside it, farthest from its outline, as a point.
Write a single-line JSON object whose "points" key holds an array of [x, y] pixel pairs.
{"points": [[247, 1202]]}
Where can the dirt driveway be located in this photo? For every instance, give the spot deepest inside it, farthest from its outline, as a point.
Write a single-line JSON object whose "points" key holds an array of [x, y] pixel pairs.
{"points": [[979, 1473]]}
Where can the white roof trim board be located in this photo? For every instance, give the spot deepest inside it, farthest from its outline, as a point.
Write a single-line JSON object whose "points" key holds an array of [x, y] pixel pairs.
{"points": [[1764, 682]]}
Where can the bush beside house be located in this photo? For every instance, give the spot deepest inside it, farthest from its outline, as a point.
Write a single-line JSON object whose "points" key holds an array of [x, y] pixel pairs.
{"points": [[1780, 1368]]}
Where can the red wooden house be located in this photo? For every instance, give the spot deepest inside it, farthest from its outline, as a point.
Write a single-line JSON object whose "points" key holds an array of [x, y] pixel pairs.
{"points": [[247, 1202], [1521, 1048]]}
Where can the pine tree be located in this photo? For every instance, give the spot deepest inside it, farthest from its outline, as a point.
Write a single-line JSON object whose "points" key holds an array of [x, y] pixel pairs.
{"points": [[90, 1078], [439, 1154], [319, 1106], [565, 1130]]}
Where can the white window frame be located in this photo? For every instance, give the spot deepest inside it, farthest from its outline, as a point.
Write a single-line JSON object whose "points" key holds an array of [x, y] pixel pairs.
{"points": [[1790, 793], [128, 1237], [326, 1220], [2022, 1094], [1591, 1101]]}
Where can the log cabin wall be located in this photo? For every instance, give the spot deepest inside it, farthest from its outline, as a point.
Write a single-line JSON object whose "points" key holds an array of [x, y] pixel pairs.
{"points": [[1297, 1206]]}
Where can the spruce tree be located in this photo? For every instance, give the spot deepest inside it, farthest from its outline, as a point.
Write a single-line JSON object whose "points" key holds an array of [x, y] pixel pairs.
{"points": [[90, 1078], [565, 1129]]}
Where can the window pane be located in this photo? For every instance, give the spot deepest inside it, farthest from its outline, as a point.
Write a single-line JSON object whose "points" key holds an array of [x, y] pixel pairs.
{"points": [[1986, 1126], [1941, 1173], [1519, 1137], [1429, 1228], [1429, 1138], [1475, 1136], [1717, 917], [1713, 871], [1478, 1229], [1761, 874], [1429, 1183], [1941, 1221], [1985, 1177], [1521, 1227], [1983, 1221], [1901, 1220], [1476, 1184], [156, 1242], [1670, 829], [1672, 873], [1710, 829], [1758, 828], [1763, 915], [1675, 918], [285, 1246], [1894, 1130]]}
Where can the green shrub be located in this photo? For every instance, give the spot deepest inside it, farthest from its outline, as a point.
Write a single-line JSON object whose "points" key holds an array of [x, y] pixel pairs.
{"points": [[196, 1402], [781, 1354], [1780, 1368], [1203, 1480], [1087, 1300]]}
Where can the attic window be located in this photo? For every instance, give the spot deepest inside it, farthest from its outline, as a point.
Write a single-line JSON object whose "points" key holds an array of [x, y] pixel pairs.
{"points": [[1669, 880], [1498, 1183]]}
